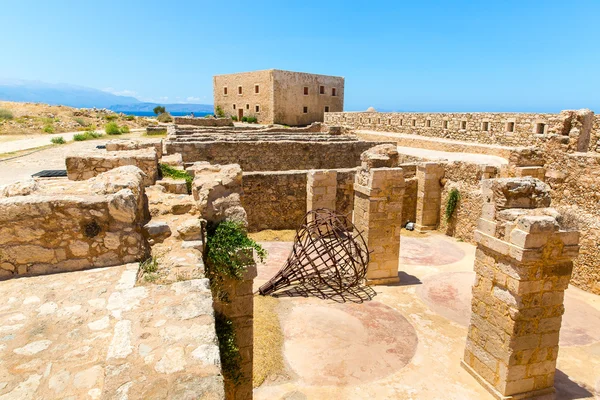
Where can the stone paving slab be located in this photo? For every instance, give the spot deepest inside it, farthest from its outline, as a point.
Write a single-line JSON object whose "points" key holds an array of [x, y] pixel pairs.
{"points": [[95, 335]]}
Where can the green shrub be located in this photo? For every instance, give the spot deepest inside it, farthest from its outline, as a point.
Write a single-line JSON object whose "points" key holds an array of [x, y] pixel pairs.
{"points": [[170, 172], [112, 129], [208, 116], [452, 203], [48, 129], [111, 117], [159, 110], [130, 118], [252, 120], [234, 118], [87, 135], [125, 129], [58, 140], [5, 114], [80, 121], [244, 119], [165, 117], [228, 350], [219, 112]]}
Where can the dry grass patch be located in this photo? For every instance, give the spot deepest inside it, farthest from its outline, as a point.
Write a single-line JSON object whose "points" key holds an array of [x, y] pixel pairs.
{"points": [[268, 341], [270, 235]]}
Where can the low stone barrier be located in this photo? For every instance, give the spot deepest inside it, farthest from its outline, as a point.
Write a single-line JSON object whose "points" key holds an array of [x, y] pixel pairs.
{"points": [[203, 121], [82, 166], [131, 144], [60, 225]]}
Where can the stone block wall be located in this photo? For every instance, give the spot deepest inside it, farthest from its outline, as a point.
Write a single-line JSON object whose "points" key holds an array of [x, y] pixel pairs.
{"points": [[279, 155], [274, 200], [203, 121], [58, 226], [86, 165], [508, 129], [428, 196], [523, 266], [321, 189], [132, 144]]}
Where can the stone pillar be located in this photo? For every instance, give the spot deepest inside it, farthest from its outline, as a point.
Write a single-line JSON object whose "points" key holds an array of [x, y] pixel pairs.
{"points": [[378, 196], [321, 186], [239, 308], [523, 265], [429, 196]]}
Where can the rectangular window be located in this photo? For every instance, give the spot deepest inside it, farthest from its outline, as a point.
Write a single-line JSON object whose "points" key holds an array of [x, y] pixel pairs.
{"points": [[306, 90], [414, 122], [321, 89], [256, 89], [257, 108], [485, 126], [428, 123], [389, 121], [539, 128], [234, 106], [305, 110], [379, 120], [510, 127], [445, 125], [401, 122], [333, 91], [463, 125], [225, 90], [326, 108], [239, 90], [247, 106]]}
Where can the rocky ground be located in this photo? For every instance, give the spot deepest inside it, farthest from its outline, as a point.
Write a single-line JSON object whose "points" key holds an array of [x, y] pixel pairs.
{"points": [[35, 119]]}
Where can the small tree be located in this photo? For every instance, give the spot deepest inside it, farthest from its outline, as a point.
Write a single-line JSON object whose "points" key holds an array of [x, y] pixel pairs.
{"points": [[219, 112], [159, 110]]}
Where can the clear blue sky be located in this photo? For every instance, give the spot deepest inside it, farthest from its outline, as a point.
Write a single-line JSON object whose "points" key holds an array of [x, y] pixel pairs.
{"points": [[395, 55]]}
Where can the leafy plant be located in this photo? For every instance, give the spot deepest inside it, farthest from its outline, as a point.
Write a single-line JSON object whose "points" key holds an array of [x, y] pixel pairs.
{"points": [[228, 350], [5, 114], [58, 140], [165, 117], [47, 121], [173, 173], [87, 135], [252, 120], [111, 117], [125, 129], [130, 118], [452, 203], [48, 129], [112, 129], [219, 112], [244, 119], [234, 117], [223, 246], [80, 121], [159, 110]]}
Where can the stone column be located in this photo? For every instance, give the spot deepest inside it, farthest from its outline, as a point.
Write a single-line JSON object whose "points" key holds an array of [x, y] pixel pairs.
{"points": [[240, 310], [321, 186], [429, 196], [523, 265], [378, 196]]}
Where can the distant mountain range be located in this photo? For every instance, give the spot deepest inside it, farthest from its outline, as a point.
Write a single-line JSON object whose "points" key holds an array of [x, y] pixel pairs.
{"points": [[83, 97]]}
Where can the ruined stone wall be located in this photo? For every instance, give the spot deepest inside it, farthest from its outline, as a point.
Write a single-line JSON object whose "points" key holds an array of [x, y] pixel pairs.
{"points": [[274, 200], [203, 121], [58, 225], [132, 144], [86, 165], [274, 155], [344, 197], [507, 129]]}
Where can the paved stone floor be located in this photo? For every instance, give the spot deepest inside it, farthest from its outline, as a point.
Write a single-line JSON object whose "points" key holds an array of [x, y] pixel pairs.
{"points": [[95, 335], [408, 341]]}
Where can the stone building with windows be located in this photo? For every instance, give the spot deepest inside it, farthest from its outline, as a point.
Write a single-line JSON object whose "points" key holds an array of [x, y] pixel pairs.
{"points": [[279, 97]]}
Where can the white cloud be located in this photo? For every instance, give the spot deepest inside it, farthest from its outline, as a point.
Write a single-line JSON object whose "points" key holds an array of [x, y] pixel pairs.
{"points": [[120, 92]]}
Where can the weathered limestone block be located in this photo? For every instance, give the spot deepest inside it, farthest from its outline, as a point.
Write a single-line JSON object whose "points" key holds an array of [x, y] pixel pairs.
{"points": [[523, 266], [82, 166], [176, 186], [534, 172], [157, 231], [217, 190], [174, 160], [321, 189], [135, 144], [429, 196], [203, 121], [52, 226], [379, 192], [190, 229]]}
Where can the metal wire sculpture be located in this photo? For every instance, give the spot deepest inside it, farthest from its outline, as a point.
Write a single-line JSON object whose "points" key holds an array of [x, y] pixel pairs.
{"points": [[329, 260]]}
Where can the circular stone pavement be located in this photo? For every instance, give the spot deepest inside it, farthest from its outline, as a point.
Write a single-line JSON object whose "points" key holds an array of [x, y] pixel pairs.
{"points": [[345, 344], [428, 250], [449, 294]]}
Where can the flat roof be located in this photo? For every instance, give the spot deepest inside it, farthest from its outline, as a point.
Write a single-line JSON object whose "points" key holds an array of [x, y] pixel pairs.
{"points": [[280, 70]]}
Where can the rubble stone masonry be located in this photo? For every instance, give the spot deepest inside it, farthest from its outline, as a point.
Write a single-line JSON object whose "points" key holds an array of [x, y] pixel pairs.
{"points": [[60, 225]]}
